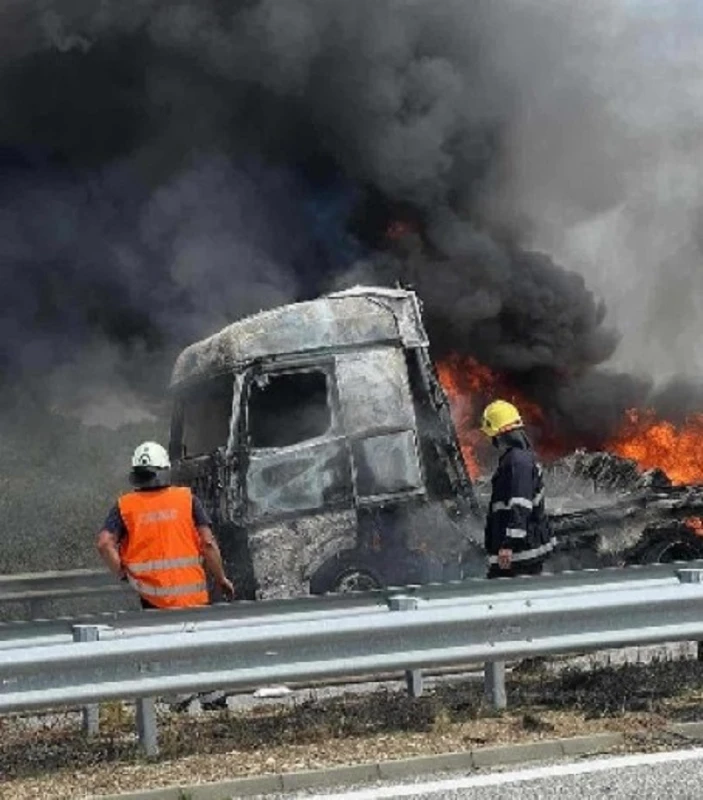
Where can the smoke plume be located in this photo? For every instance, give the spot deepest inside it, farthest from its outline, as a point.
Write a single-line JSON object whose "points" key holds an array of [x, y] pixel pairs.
{"points": [[168, 167]]}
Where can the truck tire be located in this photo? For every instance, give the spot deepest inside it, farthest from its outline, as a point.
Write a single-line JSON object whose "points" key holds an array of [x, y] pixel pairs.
{"points": [[347, 571], [363, 570], [668, 546]]}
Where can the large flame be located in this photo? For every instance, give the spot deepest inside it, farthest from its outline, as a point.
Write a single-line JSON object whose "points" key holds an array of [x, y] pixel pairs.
{"points": [[649, 441], [655, 443], [469, 386], [465, 381]]}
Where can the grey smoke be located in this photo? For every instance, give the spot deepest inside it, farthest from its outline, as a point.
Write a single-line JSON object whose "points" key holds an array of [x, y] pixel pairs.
{"points": [[171, 140], [616, 192]]}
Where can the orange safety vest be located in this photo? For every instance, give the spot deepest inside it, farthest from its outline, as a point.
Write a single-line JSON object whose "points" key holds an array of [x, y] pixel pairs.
{"points": [[161, 552]]}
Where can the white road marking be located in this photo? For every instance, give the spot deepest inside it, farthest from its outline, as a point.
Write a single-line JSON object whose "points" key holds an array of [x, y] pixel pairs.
{"points": [[500, 778]]}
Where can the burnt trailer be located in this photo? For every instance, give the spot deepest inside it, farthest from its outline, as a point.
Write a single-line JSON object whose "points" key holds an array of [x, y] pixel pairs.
{"points": [[605, 511], [320, 440]]}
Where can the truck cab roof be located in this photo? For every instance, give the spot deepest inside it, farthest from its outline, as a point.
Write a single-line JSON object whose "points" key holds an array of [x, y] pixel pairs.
{"points": [[354, 317]]}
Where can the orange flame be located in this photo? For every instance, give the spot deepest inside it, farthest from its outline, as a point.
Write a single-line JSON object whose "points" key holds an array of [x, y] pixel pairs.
{"points": [[462, 383], [470, 386], [650, 442], [695, 524]]}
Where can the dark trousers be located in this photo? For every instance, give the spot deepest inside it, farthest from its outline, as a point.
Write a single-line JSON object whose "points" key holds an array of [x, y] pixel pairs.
{"points": [[516, 569]]}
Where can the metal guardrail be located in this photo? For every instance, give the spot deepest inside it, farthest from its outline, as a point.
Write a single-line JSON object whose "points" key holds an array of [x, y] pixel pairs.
{"points": [[478, 621], [39, 585], [54, 584], [38, 593], [84, 582]]}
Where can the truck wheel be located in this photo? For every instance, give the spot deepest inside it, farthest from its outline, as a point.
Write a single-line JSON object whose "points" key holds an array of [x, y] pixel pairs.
{"points": [[348, 571], [667, 547], [356, 580]]}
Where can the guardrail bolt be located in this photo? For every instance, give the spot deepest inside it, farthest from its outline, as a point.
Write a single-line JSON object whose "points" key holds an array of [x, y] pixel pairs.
{"points": [[690, 575], [402, 602], [413, 677], [91, 712]]}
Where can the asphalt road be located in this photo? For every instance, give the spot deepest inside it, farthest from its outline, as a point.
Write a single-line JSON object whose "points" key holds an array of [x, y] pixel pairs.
{"points": [[675, 775]]}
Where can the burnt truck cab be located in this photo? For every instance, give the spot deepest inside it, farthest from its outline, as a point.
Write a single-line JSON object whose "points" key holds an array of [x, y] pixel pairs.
{"points": [[320, 440]]}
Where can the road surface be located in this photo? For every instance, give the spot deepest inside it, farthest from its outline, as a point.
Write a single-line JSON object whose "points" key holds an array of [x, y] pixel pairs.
{"points": [[675, 775]]}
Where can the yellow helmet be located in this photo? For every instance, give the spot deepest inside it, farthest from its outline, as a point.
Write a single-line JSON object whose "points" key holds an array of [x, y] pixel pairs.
{"points": [[499, 417]]}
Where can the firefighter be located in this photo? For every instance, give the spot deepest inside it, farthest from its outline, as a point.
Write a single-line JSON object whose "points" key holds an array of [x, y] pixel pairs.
{"points": [[158, 536], [518, 534]]}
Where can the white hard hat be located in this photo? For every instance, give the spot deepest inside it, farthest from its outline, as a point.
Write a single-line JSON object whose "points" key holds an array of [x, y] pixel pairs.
{"points": [[151, 455]]}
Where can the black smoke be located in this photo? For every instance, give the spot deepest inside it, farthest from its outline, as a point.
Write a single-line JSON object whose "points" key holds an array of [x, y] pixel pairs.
{"points": [[168, 167]]}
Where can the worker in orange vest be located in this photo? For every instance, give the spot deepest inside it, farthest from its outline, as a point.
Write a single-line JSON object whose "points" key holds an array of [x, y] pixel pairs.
{"points": [[158, 537]]}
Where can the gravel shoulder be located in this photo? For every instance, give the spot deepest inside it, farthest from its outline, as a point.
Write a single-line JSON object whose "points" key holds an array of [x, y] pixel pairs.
{"points": [[48, 756]]}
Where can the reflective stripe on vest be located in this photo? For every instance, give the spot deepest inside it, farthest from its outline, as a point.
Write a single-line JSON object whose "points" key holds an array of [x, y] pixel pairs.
{"points": [[523, 502], [526, 555], [165, 563], [167, 591]]}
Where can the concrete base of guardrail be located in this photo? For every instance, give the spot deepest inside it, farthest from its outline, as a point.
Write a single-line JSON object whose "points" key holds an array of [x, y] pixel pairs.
{"points": [[689, 730], [384, 770]]}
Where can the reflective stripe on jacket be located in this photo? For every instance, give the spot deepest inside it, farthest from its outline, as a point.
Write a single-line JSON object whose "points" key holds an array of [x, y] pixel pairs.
{"points": [[161, 551], [516, 517]]}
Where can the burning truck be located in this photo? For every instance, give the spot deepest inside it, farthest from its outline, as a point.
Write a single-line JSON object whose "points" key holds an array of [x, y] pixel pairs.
{"points": [[321, 440]]}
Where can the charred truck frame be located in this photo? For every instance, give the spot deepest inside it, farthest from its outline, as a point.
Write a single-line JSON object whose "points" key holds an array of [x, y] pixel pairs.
{"points": [[320, 440]]}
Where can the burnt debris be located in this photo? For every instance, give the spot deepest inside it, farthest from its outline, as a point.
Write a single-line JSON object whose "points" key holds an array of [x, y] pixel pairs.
{"points": [[605, 511]]}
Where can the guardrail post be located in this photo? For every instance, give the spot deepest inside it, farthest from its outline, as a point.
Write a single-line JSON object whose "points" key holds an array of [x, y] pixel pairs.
{"points": [[91, 713], [413, 677], [692, 576], [494, 684], [35, 607], [146, 725]]}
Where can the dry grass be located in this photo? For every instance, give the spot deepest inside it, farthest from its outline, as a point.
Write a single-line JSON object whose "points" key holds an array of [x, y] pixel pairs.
{"points": [[55, 760]]}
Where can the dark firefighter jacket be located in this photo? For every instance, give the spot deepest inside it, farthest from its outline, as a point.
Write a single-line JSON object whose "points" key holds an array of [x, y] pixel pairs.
{"points": [[516, 518]]}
